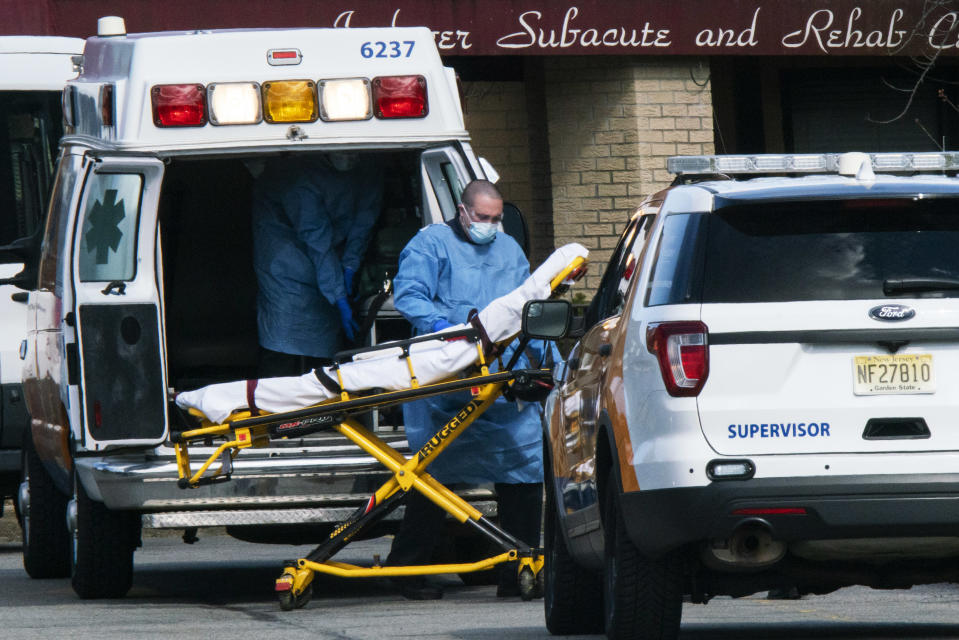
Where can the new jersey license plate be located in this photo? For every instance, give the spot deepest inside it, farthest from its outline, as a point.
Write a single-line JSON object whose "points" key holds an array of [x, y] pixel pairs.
{"points": [[898, 373]]}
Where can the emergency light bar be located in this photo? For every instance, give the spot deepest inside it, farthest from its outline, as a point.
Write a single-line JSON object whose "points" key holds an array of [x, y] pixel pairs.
{"points": [[809, 163], [289, 101]]}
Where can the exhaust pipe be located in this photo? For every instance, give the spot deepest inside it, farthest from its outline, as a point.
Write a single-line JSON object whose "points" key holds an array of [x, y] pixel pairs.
{"points": [[751, 546]]}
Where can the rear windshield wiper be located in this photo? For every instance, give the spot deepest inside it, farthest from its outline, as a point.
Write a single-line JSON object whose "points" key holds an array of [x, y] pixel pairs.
{"points": [[911, 285]]}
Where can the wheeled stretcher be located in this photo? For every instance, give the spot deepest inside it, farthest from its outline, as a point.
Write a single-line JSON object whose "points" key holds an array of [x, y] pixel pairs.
{"points": [[248, 414]]}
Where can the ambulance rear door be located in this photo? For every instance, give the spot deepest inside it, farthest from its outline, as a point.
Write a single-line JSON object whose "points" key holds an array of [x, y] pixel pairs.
{"points": [[117, 310]]}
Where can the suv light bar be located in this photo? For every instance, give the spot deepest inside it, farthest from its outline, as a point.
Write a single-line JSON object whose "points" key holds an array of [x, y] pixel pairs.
{"points": [[810, 163]]}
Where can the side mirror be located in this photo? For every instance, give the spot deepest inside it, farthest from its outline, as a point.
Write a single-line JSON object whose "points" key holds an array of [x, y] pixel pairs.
{"points": [[25, 251], [514, 224], [547, 319]]}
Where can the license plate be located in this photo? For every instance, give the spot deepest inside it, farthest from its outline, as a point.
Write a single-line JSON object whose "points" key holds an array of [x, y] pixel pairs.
{"points": [[899, 373]]}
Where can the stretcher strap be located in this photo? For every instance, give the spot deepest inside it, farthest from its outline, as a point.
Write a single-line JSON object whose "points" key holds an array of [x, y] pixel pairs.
{"points": [[331, 385], [251, 397], [488, 345]]}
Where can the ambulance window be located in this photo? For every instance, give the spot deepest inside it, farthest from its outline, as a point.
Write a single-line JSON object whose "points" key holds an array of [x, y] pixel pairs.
{"points": [[447, 176], [108, 236], [453, 181]]}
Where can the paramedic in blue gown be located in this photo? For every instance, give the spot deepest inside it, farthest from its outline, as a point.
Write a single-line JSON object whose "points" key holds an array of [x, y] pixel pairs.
{"points": [[445, 271], [312, 221]]}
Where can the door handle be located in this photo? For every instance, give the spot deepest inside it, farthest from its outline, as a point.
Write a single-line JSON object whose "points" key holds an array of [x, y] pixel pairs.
{"points": [[19, 296]]}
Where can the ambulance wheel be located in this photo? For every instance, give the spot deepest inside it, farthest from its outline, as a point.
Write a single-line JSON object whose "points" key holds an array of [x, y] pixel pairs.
{"points": [[289, 602], [103, 544], [42, 510]]}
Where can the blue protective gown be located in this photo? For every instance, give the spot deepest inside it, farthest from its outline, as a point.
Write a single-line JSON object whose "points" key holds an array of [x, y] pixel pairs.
{"points": [[310, 221], [443, 275]]}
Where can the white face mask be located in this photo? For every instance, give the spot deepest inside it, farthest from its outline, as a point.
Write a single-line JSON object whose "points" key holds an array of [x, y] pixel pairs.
{"points": [[482, 232]]}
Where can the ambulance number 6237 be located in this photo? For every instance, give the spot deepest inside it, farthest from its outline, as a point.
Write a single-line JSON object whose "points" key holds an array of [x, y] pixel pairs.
{"points": [[391, 49]]}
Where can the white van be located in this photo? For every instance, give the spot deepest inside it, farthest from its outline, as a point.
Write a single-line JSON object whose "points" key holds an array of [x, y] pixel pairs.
{"points": [[146, 282], [33, 70]]}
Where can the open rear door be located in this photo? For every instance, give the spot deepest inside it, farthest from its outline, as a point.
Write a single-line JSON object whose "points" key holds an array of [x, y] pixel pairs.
{"points": [[117, 302]]}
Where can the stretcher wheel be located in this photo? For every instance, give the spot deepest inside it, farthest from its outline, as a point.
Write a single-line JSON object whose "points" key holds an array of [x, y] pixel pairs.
{"points": [[540, 587], [289, 602], [527, 584]]}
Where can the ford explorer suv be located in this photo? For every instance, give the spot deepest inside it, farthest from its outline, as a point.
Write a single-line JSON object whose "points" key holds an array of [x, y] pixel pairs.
{"points": [[764, 396]]}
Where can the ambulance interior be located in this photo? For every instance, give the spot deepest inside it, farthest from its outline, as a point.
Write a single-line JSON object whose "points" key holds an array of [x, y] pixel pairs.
{"points": [[209, 286]]}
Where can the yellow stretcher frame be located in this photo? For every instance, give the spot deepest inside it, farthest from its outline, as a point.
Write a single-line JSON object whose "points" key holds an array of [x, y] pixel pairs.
{"points": [[293, 587]]}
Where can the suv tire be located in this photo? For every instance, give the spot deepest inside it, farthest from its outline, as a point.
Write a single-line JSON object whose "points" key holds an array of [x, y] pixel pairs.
{"points": [[572, 596], [43, 509], [643, 598], [103, 544]]}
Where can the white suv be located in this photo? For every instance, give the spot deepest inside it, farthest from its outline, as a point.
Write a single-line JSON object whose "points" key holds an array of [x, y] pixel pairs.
{"points": [[764, 396]]}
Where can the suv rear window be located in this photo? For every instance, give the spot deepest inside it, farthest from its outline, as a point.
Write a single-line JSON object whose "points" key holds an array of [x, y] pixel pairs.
{"points": [[832, 250], [810, 250]]}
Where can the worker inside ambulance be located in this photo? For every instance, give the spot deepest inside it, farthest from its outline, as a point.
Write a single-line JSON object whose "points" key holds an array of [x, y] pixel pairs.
{"points": [[313, 217]]}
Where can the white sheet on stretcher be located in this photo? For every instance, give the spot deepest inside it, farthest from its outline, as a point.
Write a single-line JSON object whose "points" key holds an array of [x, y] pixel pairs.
{"points": [[433, 360]]}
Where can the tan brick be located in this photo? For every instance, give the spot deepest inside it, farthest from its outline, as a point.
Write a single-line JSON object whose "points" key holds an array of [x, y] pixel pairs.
{"points": [[703, 135], [581, 191], [625, 176], [647, 85], [680, 110], [673, 85], [595, 151], [626, 149], [662, 123], [577, 165], [621, 124], [646, 110], [597, 229], [595, 177], [611, 189], [585, 214], [689, 123], [700, 110], [660, 97], [665, 149], [609, 137], [611, 163], [597, 204], [677, 135], [689, 149], [615, 216]]}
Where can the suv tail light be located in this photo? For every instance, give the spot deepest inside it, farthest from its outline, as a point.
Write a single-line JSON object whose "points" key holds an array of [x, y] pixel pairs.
{"points": [[682, 349]]}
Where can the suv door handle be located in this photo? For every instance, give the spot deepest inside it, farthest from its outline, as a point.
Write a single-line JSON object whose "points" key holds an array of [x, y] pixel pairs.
{"points": [[19, 296], [605, 349]]}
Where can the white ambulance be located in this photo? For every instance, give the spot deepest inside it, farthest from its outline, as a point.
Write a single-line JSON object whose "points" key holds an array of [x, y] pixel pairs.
{"points": [[33, 70], [146, 281]]}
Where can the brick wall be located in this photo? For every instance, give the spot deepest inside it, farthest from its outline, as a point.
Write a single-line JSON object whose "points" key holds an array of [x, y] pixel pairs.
{"points": [[498, 117], [612, 123]]}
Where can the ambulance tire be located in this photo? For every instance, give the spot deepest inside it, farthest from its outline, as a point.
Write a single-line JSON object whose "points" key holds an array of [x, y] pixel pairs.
{"points": [[643, 598], [102, 551], [42, 509], [572, 595]]}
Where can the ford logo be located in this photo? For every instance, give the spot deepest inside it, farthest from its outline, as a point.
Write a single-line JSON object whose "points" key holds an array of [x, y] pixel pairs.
{"points": [[892, 312]]}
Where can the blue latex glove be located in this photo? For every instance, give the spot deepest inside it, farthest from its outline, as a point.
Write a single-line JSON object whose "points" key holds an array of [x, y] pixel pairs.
{"points": [[348, 275], [439, 325], [346, 318]]}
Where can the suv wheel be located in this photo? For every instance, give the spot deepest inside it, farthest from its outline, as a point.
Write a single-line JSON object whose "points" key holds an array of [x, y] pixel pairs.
{"points": [[42, 509], [103, 544], [643, 598], [572, 596]]}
